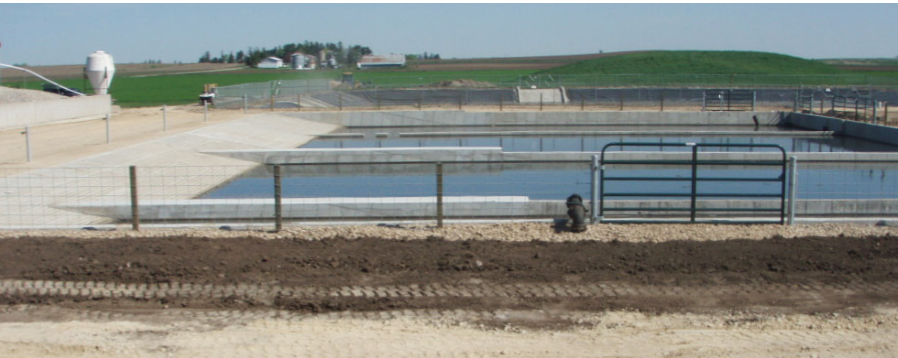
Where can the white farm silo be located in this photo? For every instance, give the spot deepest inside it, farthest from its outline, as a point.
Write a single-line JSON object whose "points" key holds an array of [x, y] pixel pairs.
{"points": [[99, 71], [296, 61]]}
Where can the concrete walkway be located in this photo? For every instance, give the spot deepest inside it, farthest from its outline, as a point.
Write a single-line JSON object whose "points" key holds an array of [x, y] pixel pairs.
{"points": [[169, 167]]}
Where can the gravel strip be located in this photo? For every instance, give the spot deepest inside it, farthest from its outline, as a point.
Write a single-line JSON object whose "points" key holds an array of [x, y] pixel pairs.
{"points": [[500, 232]]}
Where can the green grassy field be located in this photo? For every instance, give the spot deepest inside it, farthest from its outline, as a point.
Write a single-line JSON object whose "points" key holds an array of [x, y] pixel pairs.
{"points": [[183, 89], [712, 68], [699, 62], [656, 68]]}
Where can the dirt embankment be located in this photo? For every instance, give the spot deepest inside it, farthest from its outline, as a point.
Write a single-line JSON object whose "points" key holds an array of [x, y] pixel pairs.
{"points": [[374, 273], [338, 261]]}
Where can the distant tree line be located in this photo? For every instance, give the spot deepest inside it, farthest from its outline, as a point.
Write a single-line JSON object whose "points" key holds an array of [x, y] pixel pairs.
{"points": [[423, 56], [325, 53]]}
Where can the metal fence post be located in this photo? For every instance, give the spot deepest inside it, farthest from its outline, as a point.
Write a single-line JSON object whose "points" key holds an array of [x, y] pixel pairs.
{"points": [[811, 103], [164, 118], [108, 129], [278, 208], [874, 111], [795, 105], [885, 116], [704, 100], [27, 134], [341, 101], [500, 103], [754, 100], [439, 194], [378, 100], [622, 100], [205, 111], [135, 208], [460, 99], [419, 100], [594, 195], [299, 103], [793, 175], [540, 102], [662, 100], [694, 182], [582, 103]]}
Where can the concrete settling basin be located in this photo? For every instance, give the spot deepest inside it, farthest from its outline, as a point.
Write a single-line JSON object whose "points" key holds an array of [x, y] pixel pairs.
{"points": [[522, 165]]}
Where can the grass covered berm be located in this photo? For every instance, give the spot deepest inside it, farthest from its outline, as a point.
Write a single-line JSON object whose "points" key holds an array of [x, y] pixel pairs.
{"points": [[699, 62]]}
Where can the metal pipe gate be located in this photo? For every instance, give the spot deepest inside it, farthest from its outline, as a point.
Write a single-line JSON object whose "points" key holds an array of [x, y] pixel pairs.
{"points": [[694, 179]]}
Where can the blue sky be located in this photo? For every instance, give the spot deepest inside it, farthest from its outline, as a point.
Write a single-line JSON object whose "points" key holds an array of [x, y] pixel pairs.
{"points": [[52, 34]]}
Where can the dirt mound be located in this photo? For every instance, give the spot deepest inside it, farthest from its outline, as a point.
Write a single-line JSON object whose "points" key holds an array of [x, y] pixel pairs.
{"points": [[462, 84]]}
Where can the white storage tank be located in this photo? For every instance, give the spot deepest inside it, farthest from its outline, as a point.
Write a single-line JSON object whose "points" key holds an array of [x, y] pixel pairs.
{"points": [[297, 61], [99, 70]]}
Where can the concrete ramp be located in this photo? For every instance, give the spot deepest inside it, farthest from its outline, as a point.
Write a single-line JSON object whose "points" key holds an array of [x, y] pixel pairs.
{"points": [[541, 95]]}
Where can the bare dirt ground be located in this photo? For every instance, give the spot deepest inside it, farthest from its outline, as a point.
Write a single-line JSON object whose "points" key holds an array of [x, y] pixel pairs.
{"points": [[488, 290]]}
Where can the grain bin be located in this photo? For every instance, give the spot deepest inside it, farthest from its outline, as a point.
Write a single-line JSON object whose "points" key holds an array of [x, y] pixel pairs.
{"points": [[297, 61], [99, 71]]}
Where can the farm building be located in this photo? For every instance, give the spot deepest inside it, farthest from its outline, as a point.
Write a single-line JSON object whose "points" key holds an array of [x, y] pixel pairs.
{"points": [[301, 61], [271, 62], [373, 61]]}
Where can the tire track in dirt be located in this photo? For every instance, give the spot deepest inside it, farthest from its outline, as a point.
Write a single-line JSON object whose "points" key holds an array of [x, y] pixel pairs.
{"points": [[805, 296]]}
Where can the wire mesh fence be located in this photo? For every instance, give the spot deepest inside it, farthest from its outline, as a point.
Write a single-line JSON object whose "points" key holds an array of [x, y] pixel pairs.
{"points": [[317, 96], [816, 183], [266, 93], [382, 192], [43, 198]]}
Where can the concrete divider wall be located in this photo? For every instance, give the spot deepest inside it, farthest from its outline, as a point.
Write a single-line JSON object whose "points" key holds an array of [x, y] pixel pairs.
{"points": [[364, 155], [462, 118], [495, 154], [455, 207], [19, 115], [866, 131]]}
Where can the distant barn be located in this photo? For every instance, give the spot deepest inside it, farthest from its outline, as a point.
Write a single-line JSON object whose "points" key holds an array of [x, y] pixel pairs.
{"points": [[373, 61], [271, 62]]}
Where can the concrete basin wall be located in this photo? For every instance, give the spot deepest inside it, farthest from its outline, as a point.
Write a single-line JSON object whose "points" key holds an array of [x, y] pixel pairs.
{"points": [[462, 118], [509, 207], [19, 115], [866, 131]]}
